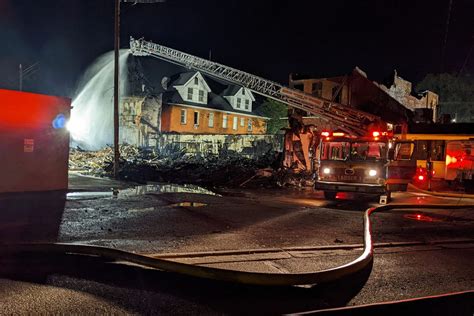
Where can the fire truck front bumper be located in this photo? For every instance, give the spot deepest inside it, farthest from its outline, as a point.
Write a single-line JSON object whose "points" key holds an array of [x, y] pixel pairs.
{"points": [[349, 187]]}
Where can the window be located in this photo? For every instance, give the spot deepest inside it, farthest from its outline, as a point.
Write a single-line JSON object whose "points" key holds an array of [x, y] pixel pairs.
{"points": [[224, 121], [239, 100], [317, 89], [201, 96], [355, 151], [299, 87], [196, 118], [183, 116], [242, 122], [196, 80], [437, 150], [235, 123], [367, 151], [211, 119], [404, 151], [336, 94], [335, 150], [249, 125], [247, 104], [190, 93]]}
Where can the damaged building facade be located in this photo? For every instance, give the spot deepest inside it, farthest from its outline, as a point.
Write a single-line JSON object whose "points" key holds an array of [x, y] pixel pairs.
{"points": [[393, 103], [195, 114], [390, 101]]}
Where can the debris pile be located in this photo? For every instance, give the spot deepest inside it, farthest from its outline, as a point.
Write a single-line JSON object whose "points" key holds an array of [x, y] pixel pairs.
{"points": [[143, 165]]}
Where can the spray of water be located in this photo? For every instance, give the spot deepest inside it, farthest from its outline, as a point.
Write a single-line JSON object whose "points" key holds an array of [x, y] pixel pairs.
{"points": [[91, 123]]}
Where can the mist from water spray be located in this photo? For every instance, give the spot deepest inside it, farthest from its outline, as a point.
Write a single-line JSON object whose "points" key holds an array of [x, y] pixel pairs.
{"points": [[91, 123]]}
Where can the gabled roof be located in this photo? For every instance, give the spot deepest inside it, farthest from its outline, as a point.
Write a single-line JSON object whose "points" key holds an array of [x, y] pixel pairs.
{"points": [[185, 77], [181, 78], [230, 90]]}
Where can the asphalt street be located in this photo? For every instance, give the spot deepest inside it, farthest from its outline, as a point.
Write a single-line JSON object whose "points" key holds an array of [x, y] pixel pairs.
{"points": [[265, 230]]}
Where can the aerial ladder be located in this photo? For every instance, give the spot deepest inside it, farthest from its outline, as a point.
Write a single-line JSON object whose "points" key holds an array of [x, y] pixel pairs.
{"points": [[342, 117]]}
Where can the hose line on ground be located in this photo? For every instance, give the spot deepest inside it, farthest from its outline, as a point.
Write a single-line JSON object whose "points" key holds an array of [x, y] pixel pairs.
{"points": [[243, 277]]}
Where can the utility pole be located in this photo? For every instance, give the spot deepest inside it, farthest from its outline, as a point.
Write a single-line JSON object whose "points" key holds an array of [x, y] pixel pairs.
{"points": [[116, 79], [116, 90], [20, 68]]}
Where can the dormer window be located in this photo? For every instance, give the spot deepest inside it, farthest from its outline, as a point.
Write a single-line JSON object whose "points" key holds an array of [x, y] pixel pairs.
{"points": [[190, 93], [247, 104], [201, 96], [239, 101], [196, 80]]}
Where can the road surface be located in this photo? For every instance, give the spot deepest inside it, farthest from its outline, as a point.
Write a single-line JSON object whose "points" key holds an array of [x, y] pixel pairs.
{"points": [[160, 220]]}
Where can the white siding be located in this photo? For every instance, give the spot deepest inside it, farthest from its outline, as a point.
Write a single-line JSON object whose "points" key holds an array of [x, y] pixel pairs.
{"points": [[200, 86]]}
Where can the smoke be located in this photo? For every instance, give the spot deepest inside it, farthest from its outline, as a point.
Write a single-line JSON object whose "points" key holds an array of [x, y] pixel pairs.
{"points": [[91, 123]]}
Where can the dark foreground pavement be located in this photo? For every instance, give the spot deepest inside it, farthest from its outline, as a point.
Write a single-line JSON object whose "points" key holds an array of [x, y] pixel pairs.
{"points": [[171, 219]]}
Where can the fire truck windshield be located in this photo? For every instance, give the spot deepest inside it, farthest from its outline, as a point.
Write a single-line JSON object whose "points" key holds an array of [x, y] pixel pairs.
{"points": [[355, 151]]}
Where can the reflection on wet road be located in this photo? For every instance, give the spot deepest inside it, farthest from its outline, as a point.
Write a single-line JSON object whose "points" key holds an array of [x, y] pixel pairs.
{"points": [[140, 190]]}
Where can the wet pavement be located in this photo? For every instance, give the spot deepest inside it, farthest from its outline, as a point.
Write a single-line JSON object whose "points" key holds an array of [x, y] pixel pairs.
{"points": [[166, 218]]}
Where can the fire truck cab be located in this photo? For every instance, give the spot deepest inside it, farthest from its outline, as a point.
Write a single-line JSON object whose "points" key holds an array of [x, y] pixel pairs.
{"points": [[377, 164]]}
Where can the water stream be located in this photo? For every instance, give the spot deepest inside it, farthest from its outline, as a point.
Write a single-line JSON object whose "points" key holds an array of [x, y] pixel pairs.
{"points": [[91, 123]]}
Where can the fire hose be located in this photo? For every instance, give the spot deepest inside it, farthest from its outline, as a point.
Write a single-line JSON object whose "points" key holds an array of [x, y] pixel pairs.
{"points": [[243, 277]]}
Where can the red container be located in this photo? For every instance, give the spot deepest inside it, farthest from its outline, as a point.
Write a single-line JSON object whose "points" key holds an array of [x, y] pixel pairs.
{"points": [[34, 143]]}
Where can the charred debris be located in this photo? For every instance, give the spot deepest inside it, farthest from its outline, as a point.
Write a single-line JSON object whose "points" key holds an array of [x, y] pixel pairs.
{"points": [[228, 169]]}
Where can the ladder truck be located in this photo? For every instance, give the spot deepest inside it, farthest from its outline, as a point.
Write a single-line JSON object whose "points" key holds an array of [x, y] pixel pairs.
{"points": [[333, 116]]}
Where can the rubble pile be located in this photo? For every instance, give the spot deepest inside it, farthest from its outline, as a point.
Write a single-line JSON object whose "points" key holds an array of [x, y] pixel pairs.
{"points": [[143, 165]]}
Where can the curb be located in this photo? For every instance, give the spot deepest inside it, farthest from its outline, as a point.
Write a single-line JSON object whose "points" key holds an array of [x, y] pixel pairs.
{"points": [[442, 194], [223, 253]]}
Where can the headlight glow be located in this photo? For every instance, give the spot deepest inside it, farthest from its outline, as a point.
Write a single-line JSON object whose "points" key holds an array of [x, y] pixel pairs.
{"points": [[372, 172], [326, 171]]}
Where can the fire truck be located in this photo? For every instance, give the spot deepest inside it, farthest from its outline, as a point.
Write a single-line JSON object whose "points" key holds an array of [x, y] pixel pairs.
{"points": [[301, 140], [373, 164]]}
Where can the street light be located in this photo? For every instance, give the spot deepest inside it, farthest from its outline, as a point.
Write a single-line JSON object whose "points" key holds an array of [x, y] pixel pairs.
{"points": [[116, 78]]}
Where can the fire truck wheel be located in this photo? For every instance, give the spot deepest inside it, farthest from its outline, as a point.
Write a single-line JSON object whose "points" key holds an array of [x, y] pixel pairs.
{"points": [[329, 195]]}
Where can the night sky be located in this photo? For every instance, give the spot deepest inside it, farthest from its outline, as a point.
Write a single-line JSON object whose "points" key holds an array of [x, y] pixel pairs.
{"points": [[266, 38]]}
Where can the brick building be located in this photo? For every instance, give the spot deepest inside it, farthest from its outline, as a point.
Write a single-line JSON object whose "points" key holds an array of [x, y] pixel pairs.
{"points": [[394, 103], [190, 106]]}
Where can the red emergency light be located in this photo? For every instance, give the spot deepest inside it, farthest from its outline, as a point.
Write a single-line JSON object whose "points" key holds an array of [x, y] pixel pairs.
{"points": [[375, 134], [325, 134], [338, 134]]}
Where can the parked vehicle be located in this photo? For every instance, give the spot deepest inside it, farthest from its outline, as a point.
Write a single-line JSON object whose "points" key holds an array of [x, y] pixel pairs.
{"points": [[377, 164]]}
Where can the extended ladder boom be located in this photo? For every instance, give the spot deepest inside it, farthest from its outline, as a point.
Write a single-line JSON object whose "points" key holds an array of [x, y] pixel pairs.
{"points": [[348, 118]]}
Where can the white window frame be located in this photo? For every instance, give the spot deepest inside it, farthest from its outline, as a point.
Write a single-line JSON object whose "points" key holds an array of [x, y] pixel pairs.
{"points": [[201, 96], [242, 121], [190, 93], [247, 104], [239, 101], [196, 80], [211, 120], [194, 116], [225, 120], [250, 125], [235, 123], [183, 111]]}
